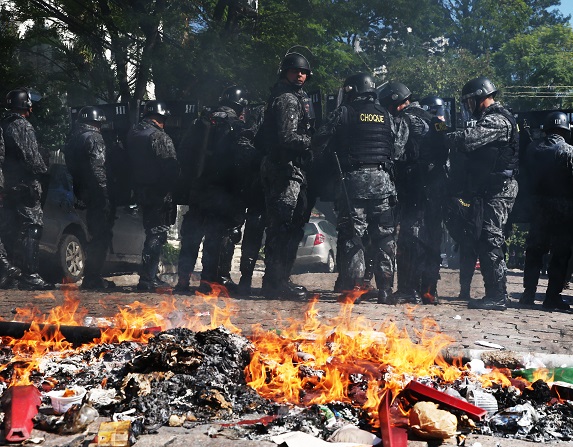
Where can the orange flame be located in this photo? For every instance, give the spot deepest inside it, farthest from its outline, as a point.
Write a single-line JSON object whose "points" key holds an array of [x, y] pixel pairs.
{"points": [[316, 362], [129, 324]]}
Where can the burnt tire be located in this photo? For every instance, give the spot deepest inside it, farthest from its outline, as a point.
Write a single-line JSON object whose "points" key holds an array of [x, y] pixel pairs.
{"points": [[71, 258]]}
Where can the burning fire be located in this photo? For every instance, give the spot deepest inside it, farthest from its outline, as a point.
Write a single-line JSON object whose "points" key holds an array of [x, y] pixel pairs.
{"points": [[349, 360], [313, 361], [135, 322]]}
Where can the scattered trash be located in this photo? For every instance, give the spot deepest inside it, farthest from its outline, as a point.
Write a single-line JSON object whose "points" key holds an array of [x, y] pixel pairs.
{"points": [[477, 366], [351, 433], [113, 434], [489, 344], [482, 399], [518, 419], [457, 317], [62, 400], [300, 439], [429, 422], [555, 374], [20, 404]]}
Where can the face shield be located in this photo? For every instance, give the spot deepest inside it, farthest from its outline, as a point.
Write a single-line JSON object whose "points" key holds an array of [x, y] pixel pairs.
{"points": [[468, 108]]}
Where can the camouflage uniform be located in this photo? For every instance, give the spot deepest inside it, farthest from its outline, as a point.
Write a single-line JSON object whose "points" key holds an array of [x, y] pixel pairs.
{"points": [[7, 271], [492, 150], [366, 201], [154, 171], [220, 202], [550, 165], [217, 203], [251, 188], [286, 137], [420, 184], [22, 211], [86, 159]]}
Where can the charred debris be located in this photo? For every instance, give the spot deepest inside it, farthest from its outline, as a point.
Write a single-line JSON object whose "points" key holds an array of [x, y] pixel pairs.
{"points": [[185, 378]]}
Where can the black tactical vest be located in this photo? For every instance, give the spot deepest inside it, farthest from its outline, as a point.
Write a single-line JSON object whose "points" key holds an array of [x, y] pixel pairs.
{"points": [[141, 155], [496, 161], [368, 139]]}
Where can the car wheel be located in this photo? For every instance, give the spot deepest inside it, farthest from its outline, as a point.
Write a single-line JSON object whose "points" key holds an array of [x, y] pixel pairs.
{"points": [[330, 266], [72, 258]]}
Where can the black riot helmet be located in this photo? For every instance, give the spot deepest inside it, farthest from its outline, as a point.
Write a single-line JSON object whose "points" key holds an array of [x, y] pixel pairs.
{"points": [[19, 99], [156, 108], [295, 60], [360, 84], [91, 114], [473, 93], [234, 97], [556, 120], [434, 105], [393, 94]]}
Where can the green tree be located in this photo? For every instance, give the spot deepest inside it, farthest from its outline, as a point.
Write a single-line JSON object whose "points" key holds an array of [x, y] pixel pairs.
{"points": [[542, 59]]}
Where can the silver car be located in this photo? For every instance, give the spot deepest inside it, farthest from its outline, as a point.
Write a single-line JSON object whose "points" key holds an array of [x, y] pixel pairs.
{"points": [[317, 249]]}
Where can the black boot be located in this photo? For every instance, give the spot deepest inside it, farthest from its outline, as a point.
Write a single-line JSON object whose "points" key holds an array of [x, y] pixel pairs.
{"points": [[97, 283], [527, 297], [385, 296], [28, 251], [8, 272], [555, 302], [489, 303], [148, 280], [245, 286]]}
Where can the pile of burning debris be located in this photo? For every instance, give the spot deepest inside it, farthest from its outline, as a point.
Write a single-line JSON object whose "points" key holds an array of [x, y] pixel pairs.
{"points": [[339, 380]]}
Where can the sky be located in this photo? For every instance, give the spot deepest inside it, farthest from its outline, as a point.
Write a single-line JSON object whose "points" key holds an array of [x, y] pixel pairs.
{"points": [[567, 8]]}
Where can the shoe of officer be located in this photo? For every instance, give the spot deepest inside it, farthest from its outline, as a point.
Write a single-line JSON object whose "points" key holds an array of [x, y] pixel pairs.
{"points": [[227, 283], [284, 289], [8, 273], [153, 285], [527, 297], [181, 287], [555, 302], [406, 297], [385, 296], [244, 288], [430, 298], [33, 281], [96, 283], [489, 303]]}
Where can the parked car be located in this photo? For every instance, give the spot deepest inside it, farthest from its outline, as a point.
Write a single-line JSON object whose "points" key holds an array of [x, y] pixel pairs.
{"points": [[317, 249], [63, 242]]}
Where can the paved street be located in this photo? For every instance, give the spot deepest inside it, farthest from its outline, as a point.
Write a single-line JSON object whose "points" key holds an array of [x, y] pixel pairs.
{"points": [[546, 335]]}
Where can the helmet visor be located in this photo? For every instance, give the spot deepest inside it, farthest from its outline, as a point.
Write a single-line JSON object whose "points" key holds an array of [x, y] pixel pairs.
{"points": [[468, 108]]}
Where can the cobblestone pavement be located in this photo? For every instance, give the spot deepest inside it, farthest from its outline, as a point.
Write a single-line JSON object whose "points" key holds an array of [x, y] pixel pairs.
{"points": [[532, 330]]}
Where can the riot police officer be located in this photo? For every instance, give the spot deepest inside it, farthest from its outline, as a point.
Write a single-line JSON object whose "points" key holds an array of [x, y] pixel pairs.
{"points": [[492, 147], [286, 141], [433, 164], [409, 184], [7, 270], [220, 201], [365, 140], [22, 210], [549, 166], [154, 172], [85, 155], [216, 210]]}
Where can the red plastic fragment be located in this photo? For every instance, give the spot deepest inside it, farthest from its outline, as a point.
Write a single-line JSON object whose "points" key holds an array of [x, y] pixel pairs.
{"points": [[20, 404], [426, 393], [391, 435]]}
